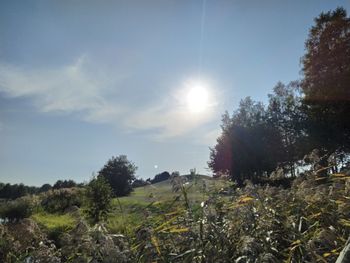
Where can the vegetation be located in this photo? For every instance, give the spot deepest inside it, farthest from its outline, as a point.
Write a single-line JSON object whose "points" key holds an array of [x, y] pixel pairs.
{"points": [[64, 184], [57, 201], [17, 209], [119, 172], [13, 191], [257, 208], [301, 116], [99, 196], [326, 68], [160, 177]]}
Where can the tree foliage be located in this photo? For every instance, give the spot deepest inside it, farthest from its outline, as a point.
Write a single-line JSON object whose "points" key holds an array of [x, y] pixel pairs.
{"points": [[64, 184], [307, 114], [119, 172], [248, 147], [285, 114], [160, 177], [99, 196], [326, 82]]}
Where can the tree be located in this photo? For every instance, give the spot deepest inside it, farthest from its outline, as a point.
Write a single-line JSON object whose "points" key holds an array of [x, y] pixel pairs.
{"points": [[64, 184], [119, 172], [285, 114], [248, 147], [99, 196], [138, 183], [45, 188], [160, 177], [326, 83]]}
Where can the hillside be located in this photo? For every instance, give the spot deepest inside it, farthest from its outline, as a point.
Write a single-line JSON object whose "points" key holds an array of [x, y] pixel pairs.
{"points": [[206, 220]]}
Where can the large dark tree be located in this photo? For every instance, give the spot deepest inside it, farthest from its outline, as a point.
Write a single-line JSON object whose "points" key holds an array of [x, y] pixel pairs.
{"points": [[119, 172], [285, 114], [326, 83], [248, 147]]}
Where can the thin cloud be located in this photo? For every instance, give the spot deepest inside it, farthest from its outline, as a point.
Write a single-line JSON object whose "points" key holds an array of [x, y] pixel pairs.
{"points": [[69, 89], [80, 89]]}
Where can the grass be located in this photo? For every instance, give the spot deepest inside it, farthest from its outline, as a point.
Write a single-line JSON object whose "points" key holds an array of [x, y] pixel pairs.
{"points": [[146, 205], [55, 224], [163, 191]]}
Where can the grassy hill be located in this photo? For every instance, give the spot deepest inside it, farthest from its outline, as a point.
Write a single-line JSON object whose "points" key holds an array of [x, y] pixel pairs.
{"points": [[151, 201]]}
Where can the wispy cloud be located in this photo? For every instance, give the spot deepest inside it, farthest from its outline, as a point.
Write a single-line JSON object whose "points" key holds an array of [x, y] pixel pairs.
{"points": [[167, 122], [66, 89], [80, 88]]}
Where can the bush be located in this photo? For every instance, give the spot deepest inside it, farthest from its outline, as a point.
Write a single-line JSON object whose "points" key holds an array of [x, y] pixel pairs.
{"points": [[57, 201], [99, 197], [17, 209]]}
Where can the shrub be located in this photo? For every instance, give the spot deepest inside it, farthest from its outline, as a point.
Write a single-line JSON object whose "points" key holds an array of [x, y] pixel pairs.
{"points": [[57, 201], [17, 209], [99, 197]]}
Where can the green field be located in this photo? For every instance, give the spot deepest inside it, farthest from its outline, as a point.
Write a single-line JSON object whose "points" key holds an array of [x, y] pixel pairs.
{"points": [[151, 202]]}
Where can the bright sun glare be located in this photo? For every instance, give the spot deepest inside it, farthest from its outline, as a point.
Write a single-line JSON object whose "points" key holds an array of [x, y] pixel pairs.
{"points": [[197, 97]]}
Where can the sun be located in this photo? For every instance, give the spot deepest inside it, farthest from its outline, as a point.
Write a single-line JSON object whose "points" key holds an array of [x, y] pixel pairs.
{"points": [[197, 97]]}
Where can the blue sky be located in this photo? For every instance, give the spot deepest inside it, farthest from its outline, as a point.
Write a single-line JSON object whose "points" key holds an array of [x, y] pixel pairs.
{"points": [[81, 81]]}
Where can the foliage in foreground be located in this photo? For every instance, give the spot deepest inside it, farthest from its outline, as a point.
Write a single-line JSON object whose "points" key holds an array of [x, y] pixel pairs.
{"points": [[308, 222], [15, 210], [99, 196]]}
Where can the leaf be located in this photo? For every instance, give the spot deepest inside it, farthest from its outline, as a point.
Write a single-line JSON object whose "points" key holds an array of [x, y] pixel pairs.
{"points": [[344, 222], [178, 230], [159, 228], [338, 175], [185, 253], [156, 244], [296, 242], [339, 202], [245, 199], [315, 215]]}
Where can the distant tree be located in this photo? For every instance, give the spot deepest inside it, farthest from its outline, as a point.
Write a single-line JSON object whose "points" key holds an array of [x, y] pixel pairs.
{"points": [[175, 174], [64, 184], [138, 183], [58, 184], [119, 172], [45, 188], [99, 196], [326, 82], [14, 191], [160, 177]]}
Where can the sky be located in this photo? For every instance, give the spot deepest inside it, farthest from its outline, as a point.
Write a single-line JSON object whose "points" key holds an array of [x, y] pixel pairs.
{"points": [[82, 81]]}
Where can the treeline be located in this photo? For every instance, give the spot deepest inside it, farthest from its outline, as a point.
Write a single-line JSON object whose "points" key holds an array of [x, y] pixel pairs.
{"points": [[311, 113], [13, 191], [156, 179]]}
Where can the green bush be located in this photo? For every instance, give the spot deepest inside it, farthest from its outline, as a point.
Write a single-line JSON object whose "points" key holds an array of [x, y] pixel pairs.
{"points": [[57, 201], [17, 209], [99, 197]]}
